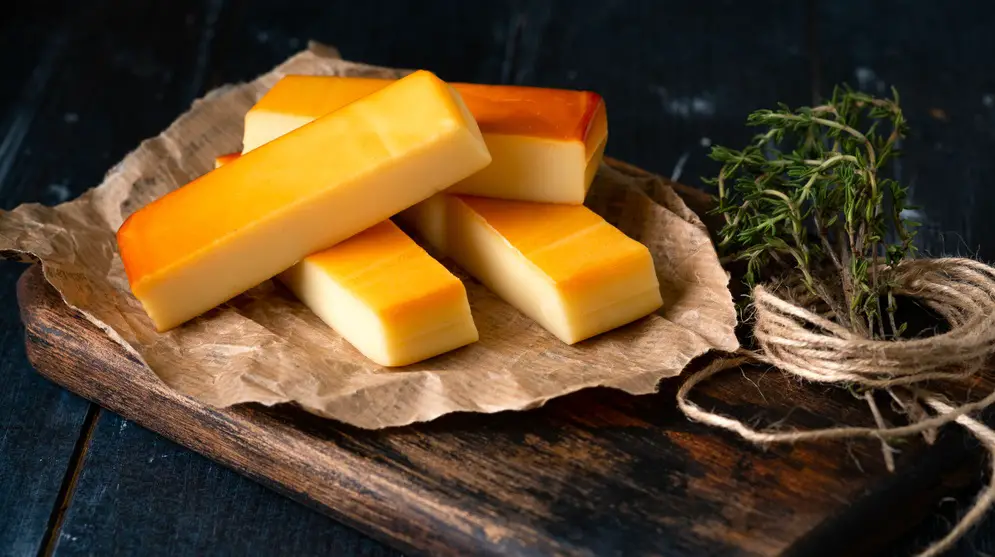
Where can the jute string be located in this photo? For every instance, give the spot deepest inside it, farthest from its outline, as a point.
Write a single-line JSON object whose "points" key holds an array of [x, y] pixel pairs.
{"points": [[794, 334]]}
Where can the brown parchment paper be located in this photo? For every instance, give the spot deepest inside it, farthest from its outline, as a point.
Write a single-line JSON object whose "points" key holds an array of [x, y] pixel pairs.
{"points": [[266, 347]]}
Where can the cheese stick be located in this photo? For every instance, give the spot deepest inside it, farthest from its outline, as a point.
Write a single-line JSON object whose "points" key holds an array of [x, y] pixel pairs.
{"points": [[385, 295], [562, 265], [253, 218], [546, 144]]}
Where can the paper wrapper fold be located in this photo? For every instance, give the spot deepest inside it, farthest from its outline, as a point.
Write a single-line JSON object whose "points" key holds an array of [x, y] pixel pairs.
{"points": [[266, 347]]}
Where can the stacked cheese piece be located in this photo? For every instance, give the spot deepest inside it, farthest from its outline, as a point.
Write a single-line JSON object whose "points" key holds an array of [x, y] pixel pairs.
{"points": [[327, 161]]}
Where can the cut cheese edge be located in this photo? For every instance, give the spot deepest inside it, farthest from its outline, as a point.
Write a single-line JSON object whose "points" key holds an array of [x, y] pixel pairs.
{"points": [[562, 265], [249, 220], [546, 144], [384, 295], [222, 160]]}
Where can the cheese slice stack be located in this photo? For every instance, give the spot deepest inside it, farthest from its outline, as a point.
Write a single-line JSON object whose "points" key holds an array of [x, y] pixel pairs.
{"points": [[562, 265], [253, 218], [546, 144], [384, 294]]}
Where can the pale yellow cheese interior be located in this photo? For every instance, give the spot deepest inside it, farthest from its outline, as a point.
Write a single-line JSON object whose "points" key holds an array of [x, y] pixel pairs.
{"points": [[386, 296], [533, 169], [562, 265]]}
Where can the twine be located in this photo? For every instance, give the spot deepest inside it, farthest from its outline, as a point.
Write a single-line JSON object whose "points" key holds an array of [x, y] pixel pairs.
{"points": [[801, 341]]}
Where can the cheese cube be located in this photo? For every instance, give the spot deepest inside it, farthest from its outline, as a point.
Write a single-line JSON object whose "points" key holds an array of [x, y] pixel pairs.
{"points": [[384, 294], [546, 144], [249, 220], [562, 265]]}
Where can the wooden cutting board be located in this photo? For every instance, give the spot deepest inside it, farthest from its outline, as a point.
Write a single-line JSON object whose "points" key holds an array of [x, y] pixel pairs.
{"points": [[595, 473]]}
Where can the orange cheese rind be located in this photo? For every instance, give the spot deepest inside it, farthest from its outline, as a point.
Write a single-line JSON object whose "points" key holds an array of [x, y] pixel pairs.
{"points": [[222, 160], [248, 220], [561, 114]]}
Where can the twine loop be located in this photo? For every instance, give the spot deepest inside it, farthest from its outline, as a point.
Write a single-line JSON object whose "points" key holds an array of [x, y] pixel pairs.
{"points": [[796, 335]]}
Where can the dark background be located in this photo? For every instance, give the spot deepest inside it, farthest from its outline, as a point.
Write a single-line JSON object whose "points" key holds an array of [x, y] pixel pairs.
{"points": [[85, 81]]}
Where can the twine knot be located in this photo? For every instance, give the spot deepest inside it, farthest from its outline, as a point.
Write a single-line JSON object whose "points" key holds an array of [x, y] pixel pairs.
{"points": [[796, 335]]}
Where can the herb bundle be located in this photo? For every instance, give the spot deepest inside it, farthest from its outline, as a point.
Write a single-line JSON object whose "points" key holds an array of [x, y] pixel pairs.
{"points": [[810, 194], [810, 209]]}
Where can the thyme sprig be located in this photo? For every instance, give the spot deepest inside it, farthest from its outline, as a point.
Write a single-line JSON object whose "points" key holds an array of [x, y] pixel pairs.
{"points": [[811, 195]]}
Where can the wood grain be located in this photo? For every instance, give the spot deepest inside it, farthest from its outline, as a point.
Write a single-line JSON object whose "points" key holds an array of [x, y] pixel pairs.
{"points": [[198, 508], [599, 473], [39, 422], [31, 472]]}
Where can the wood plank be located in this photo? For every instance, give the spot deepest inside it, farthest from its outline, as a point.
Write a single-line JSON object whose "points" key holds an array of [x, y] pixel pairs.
{"points": [[947, 84], [39, 426], [124, 76], [196, 506], [456, 39], [39, 422]]}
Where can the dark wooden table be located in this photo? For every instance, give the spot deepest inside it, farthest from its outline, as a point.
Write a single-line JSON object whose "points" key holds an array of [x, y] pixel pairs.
{"points": [[85, 81]]}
